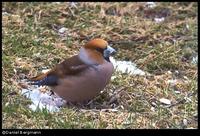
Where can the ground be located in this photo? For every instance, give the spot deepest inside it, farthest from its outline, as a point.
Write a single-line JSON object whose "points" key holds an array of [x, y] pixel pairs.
{"points": [[39, 35]]}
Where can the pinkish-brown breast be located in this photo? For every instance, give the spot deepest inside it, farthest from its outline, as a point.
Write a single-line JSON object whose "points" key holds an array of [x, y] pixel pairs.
{"points": [[86, 85]]}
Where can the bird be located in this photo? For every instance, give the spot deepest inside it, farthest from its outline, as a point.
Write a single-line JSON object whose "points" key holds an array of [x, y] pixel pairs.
{"points": [[81, 77]]}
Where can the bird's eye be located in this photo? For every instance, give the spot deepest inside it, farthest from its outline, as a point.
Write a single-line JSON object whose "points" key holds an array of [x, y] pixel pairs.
{"points": [[100, 50]]}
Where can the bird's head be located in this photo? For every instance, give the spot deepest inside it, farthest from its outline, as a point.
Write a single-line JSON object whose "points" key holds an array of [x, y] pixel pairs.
{"points": [[96, 51]]}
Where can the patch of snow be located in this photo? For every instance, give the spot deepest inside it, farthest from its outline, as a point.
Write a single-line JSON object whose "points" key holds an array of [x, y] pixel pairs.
{"points": [[5, 13], [177, 92], [185, 77], [177, 72], [165, 101], [173, 81], [195, 60], [154, 104], [37, 54], [159, 20], [126, 67], [62, 30], [42, 100], [109, 110], [151, 4], [187, 26], [187, 99], [190, 128], [152, 109], [113, 77], [169, 72], [7, 104], [73, 4], [185, 122]]}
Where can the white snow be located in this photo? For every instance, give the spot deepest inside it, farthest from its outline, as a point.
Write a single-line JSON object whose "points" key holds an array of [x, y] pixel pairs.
{"points": [[165, 101], [62, 30], [172, 81], [151, 4], [195, 60], [126, 67], [5, 13], [159, 20], [42, 100], [73, 4]]}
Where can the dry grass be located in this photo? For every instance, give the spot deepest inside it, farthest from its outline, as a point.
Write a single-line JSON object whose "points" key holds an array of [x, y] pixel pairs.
{"points": [[31, 41]]}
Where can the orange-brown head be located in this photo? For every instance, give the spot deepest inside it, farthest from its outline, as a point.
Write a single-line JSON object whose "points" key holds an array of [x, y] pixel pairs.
{"points": [[96, 52], [97, 43]]}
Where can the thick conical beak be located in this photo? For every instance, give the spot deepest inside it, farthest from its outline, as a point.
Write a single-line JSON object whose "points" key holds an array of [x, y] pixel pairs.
{"points": [[108, 52]]}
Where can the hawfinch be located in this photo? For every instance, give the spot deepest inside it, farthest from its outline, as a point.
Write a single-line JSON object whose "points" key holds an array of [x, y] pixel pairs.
{"points": [[83, 76]]}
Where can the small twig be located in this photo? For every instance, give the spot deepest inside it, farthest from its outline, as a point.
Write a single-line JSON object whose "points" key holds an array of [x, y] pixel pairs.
{"points": [[114, 96]]}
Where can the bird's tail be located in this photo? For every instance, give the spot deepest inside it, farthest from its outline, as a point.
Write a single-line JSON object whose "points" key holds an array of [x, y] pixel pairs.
{"points": [[40, 77], [44, 79]]}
